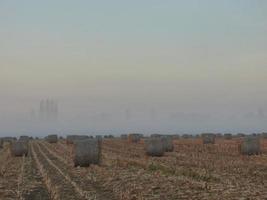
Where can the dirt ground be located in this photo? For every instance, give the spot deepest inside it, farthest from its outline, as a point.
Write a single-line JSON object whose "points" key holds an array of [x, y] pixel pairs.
{"points": [[192, 171]]}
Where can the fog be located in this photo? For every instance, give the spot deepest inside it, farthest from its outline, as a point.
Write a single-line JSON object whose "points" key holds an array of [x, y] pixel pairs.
{"points": [[133, 67]]}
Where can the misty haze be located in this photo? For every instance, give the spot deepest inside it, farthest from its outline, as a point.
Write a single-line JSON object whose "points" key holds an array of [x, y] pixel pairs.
{"points": [[133, 99]]}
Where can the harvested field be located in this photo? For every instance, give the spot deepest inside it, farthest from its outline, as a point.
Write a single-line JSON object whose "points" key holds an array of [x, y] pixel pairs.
{"points": [[192, 171]]}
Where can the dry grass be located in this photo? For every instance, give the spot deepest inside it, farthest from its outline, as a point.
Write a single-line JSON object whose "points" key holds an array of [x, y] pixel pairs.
{"points": [[192, 171]]}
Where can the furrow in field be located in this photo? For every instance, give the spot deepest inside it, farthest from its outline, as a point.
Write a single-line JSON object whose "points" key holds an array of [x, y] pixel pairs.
{"points": [[80, 181], [56, 181], [33, 186]]}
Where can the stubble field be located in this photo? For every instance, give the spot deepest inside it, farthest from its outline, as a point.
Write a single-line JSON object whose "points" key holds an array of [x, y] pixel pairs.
{"points": [[192, 171]]}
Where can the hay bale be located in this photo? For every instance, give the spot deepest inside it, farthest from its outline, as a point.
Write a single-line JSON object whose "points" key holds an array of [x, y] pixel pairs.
{"points": [[71, 138], [208, 138], [167, 143], [250, 146], [87, 152], [227, 136], [19, 148], [52, 138], [134, 137], [24, 138], [154, 147]]}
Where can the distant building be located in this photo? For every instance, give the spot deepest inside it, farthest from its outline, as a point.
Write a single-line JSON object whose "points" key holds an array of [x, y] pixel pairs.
{"points": [[48, 110]]}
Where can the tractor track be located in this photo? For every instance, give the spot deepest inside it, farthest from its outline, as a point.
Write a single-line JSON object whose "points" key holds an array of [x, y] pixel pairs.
{"points": [[33, 186], [84, 186], [58, 186]]}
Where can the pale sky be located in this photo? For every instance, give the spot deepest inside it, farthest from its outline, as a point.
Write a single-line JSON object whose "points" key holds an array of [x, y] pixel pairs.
{"points": [[134, 66]]}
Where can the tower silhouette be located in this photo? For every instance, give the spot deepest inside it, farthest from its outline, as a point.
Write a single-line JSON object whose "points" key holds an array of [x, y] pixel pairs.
{"points": [[48, 110]]}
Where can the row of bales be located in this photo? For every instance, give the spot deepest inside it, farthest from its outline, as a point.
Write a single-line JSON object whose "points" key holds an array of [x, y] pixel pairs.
{"points": [[87, 150], [20, 147], [155, 145], [227, 136], [250, 144]]}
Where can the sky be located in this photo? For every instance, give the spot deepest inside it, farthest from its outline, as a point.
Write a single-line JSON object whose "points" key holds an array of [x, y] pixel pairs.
{"points": [[150, 66]]}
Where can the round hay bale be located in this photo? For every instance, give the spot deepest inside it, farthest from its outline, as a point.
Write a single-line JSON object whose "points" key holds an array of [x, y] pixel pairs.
{"points": [[87, 152], [250, 146], [208, 138], [24, 138], [134, 137], [167, 144], [71, 138], [154, 147], [19, 148], [52, 138]]}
